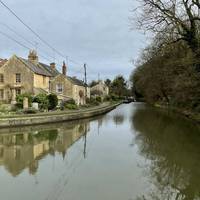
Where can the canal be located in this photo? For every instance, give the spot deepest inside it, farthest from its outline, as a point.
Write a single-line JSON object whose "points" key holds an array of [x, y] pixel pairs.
{"points": [[134, 152]]}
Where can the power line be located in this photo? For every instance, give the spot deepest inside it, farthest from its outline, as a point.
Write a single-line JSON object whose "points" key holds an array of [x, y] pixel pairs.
{"points": [[28, 27], [19, 43], [25, 39], [35, 33], [26, 47]]}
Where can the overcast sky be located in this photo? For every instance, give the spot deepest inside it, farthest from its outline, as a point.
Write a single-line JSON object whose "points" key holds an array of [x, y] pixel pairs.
{"points": [[93, 31]]}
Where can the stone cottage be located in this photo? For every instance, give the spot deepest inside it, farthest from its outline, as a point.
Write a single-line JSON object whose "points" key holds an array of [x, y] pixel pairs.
{"points": [[100, 89], [19, 75], [66, 87]]}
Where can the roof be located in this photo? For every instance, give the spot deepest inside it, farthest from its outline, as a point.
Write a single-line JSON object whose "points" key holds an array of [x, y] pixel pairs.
{"points": [[2, 61], [99, 83], [38, 69], [76, 81], [48, 68]]}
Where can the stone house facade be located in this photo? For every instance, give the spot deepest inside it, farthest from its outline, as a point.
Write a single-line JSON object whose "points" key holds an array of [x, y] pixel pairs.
{"points": [[100, 89], [66, 87], [19, 75]]}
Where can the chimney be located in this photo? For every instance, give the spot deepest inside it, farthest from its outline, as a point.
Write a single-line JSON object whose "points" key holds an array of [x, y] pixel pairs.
{"points": [[64, 69], [53, 66], [32, 57]]}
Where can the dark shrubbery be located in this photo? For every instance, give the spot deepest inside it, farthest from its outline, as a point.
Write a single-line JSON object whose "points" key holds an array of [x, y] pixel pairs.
{"points": [[42, 101], [99, 99], [30, 111], [94, 102], [71, 101], [107, 98], [52, 101], [69, 104]]}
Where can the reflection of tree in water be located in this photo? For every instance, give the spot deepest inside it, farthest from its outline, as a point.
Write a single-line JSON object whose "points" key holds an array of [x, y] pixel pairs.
{"points": [[118, 119], [172, 145]]}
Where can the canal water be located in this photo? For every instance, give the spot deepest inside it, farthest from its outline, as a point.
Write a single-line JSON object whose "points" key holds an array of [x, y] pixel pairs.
{"points": [[134, 152]]}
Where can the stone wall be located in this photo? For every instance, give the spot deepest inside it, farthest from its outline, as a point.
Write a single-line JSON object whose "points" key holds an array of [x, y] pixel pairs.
{"points": [[9, 71], [41, 82], [67, 87], [70, 90], [52, 117]]}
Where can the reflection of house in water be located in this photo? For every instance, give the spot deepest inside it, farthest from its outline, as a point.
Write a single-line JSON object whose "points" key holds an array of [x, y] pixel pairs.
{"points": [[24, 150]]}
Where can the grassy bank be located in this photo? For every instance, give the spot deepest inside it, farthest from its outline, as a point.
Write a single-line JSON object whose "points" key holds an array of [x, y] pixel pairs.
{"points": [[185, 112]]}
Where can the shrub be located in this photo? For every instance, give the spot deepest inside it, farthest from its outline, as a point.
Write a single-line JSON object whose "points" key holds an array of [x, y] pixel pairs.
{"points": [[53, 101], [20, 98], [98, 99], [114, 97], [30, 111], [107, 98], [42, 100], [71, 106], [87, 100], [64, 103], [71, 101], [94, 102]]}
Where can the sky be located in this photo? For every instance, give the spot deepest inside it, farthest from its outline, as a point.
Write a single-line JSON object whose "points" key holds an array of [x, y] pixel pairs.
{"points": [[95, 32]]}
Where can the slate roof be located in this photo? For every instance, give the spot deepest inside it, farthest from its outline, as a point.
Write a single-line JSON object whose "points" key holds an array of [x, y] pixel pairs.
{"points": [[76, 81], [2, 61], [38, 69], [46, 70]]}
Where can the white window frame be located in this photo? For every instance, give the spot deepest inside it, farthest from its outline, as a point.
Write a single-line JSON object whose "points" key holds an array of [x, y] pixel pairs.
{"points": [[59, 88]]}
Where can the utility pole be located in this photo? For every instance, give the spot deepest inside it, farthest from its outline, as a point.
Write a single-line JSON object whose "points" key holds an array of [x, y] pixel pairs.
{"points": [[85, 70]]}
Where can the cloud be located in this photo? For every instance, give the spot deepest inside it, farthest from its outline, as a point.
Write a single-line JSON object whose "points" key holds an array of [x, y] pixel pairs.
{"points": [[95, 32]]}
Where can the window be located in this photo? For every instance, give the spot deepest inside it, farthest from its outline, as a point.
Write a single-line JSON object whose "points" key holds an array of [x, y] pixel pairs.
{"points": [[1, 78], [59, 88], [18, 78], [1, 94], [18, 91]]}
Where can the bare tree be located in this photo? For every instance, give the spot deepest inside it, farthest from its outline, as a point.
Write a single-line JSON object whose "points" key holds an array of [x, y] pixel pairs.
{"points": [[175, 19]]}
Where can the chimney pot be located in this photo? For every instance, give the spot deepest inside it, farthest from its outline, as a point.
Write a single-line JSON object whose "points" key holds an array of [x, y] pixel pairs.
{"points": [[53, 66], [32, 57], [64, 69]]}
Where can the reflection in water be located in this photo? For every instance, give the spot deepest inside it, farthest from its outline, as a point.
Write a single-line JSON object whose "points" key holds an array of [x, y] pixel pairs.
{"points": [[172, 146], [118, 119], [133, 152], [25, 149]]}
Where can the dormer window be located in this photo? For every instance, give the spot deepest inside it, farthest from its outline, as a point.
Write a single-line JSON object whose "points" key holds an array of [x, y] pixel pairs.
{"points": [[59, 88]]}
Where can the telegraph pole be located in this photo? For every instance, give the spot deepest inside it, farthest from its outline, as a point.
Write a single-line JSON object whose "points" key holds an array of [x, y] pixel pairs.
{"points": [[85, 70]]}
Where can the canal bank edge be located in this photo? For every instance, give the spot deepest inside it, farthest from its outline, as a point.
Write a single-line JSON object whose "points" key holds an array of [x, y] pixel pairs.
{"points": [[195, 117], [54, 118]]}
